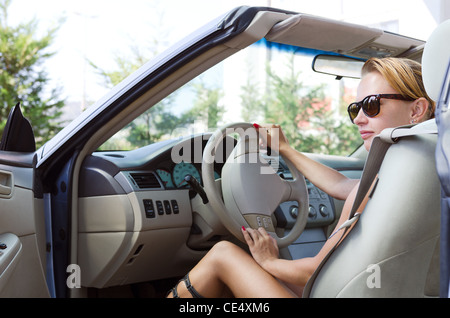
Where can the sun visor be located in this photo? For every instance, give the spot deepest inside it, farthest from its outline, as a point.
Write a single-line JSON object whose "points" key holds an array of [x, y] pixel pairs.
{"points": [[321, 34], [341, 37]]}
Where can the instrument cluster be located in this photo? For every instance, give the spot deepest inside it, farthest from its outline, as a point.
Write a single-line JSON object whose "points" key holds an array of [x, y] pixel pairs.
{"points": [[175, 178]]}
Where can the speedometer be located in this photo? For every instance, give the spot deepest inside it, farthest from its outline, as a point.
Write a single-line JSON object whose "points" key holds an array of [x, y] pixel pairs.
{"points": [[181, 170], [166, 178]]}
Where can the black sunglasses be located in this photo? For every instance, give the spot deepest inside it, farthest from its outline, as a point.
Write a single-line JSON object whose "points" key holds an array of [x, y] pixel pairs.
{"points": [[371, 104]]}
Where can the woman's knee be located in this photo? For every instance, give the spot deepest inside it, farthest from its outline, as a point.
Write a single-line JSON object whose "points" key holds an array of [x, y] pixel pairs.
{"points": [[225, 251], [224, 247]]}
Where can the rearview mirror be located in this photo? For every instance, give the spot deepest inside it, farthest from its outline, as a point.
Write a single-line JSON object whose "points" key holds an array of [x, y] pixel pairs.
{"points": [[339, 66]]}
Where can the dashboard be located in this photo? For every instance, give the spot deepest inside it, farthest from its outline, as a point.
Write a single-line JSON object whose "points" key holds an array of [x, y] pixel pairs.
{"points": [[141, 219], [175, 177]]}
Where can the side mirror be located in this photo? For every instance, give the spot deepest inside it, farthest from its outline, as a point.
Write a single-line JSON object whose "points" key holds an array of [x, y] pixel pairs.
{"points": [[18, 134]]}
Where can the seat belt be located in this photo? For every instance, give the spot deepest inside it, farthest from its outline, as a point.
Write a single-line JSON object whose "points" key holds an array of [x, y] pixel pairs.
{"points": [[378, 150]]}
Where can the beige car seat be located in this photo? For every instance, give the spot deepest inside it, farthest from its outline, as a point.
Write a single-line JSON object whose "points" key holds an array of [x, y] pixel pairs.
{"points": [[393, 250]]}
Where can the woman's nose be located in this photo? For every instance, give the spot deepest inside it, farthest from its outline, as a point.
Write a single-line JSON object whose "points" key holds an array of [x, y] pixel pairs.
{"points": [[361, 118]]}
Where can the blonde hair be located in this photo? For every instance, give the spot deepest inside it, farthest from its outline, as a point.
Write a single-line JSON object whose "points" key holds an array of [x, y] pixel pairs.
{"points": [[404, 75]]}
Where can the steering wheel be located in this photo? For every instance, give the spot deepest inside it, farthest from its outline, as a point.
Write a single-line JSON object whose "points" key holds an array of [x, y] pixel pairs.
{"points": [[250, 187]]}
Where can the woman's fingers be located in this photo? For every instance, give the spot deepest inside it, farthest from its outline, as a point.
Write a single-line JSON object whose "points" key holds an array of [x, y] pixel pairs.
{"points": [[247, 236], [262, 245], [262, 231], [271, 135], [254, 236], [251, 236], [264, 134]]}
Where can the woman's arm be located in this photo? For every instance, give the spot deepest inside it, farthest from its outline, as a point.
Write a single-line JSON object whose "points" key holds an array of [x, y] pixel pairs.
{"points": [[264, 250], [325, 178]]}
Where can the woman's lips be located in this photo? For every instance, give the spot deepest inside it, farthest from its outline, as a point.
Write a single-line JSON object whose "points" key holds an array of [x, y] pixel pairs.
{"points": [[365, 134]]}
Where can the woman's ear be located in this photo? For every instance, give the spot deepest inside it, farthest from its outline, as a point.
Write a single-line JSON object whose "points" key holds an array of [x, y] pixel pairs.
{"points": [[419, 110]]}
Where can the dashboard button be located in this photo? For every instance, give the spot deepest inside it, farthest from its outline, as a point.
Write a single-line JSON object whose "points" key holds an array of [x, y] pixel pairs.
{"points": [[167, 207], [312, 213], [159, 207], [149, 209], [175, 207], [323, 210], [293, 211]]}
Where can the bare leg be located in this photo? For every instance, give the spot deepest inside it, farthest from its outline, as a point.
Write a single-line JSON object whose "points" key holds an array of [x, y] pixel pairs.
{"points": [[229, 269]]}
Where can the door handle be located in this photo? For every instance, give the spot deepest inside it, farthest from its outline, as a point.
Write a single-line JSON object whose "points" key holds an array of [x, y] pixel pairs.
{"points": [[6, 183], [5, 190]]}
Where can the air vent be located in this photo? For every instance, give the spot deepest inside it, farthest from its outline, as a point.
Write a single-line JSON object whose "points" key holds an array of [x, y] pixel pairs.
{"points": [[145, 180]]}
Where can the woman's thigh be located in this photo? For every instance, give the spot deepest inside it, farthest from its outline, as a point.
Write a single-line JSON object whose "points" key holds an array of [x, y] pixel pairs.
{"points": [[228, 267]]}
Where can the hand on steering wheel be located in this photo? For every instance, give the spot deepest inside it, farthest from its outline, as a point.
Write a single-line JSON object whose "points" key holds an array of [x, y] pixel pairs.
{"points": [[262, 245], [251, 189], [272, 135]]}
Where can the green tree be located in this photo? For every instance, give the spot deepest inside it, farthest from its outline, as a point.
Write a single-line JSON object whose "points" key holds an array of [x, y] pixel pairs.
{"points": [[22, 78], [290, 105], [206, 106], [153, 124], [251, 101], [306, 116], [125, 66]]}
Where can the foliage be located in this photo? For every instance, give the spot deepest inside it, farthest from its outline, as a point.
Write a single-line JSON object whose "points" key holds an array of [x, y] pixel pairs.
{"points": [[304, 113], [125, 66], [159, 121], [206, 106], [153, 123], [252, 104], [22, 78]]}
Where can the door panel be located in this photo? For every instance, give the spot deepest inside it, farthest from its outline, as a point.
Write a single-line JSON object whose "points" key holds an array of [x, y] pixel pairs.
{"points": [[10, 252], [22, 231]]}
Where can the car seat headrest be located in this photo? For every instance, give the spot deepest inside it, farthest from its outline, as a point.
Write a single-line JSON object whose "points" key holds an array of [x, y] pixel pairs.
{"points": [[435, 58]]}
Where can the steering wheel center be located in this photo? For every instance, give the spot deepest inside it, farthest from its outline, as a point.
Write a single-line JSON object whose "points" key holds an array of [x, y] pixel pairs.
{"points": [[251, 189]]}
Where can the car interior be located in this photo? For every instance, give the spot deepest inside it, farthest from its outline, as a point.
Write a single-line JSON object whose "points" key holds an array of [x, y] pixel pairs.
{"points": [[179, 229], [141, 219]]}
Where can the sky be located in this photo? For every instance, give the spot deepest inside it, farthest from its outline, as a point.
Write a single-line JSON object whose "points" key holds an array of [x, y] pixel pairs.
{"points": [[101, 30]]}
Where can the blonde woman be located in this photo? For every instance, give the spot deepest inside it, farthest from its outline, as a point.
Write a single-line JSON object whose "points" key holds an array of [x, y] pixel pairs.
{"points": [[390, 94]]}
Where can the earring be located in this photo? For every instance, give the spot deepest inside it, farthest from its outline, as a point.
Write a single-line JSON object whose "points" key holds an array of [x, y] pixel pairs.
{"points": [[413, 121]]}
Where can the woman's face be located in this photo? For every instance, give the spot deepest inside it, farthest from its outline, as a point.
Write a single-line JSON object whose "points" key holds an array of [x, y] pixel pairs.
{"points": [[393, 113]]}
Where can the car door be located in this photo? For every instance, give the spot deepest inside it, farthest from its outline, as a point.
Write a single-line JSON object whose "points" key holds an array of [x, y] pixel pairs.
{"points": [[22, 222]]}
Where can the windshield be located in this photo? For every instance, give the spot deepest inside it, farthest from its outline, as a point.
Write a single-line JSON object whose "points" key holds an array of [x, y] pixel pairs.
{"points": [[265, 83]]}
